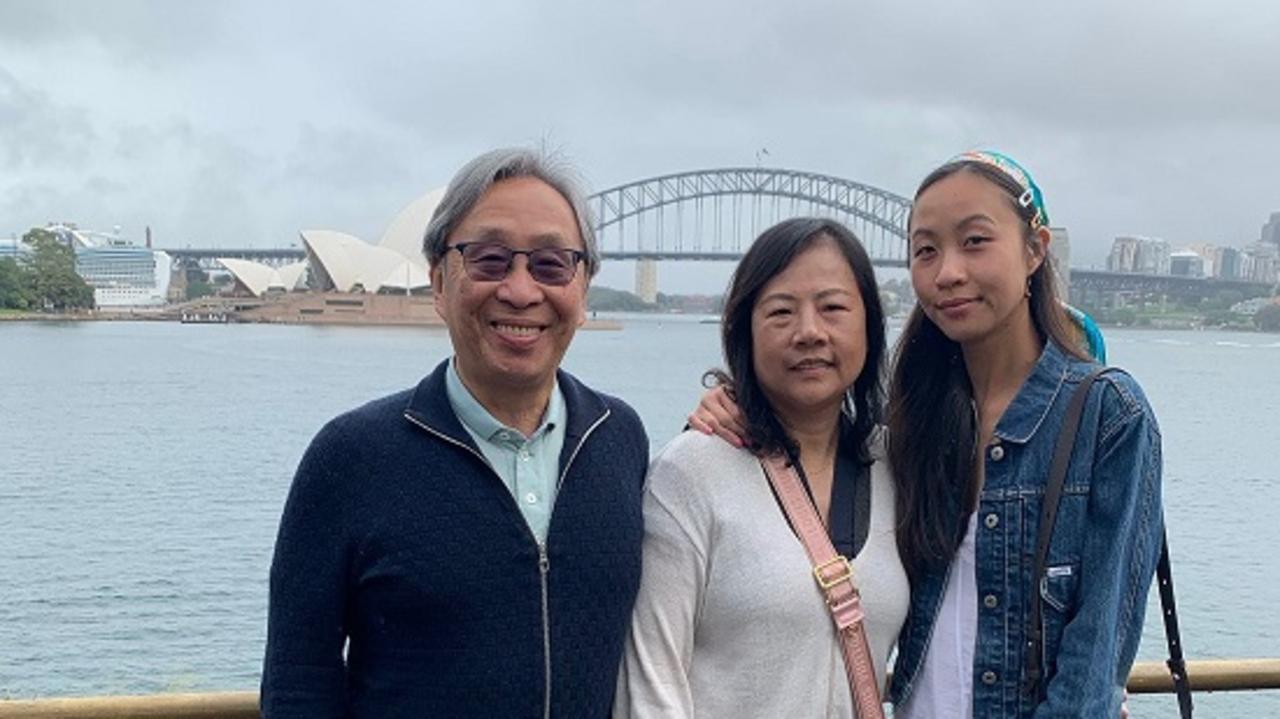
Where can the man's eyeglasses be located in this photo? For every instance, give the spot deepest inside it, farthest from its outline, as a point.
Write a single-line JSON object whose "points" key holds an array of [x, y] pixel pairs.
{"points": [[490, 262]]}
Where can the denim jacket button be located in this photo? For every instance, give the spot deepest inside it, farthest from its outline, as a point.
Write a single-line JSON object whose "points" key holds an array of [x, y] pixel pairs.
{"points": [[997, 453], [991, 520], [988, 677], [990, 601]]}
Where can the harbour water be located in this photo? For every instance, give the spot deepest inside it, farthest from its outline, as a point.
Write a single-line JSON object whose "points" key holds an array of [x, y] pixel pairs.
{"points": [[143, 467]]}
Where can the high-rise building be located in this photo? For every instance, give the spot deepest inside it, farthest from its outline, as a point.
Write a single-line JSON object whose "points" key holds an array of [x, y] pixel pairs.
{"points": [[1262, 263], [1186, 263], [1228, 265], [1139, 255], [1210, 255], [1271, 231]]}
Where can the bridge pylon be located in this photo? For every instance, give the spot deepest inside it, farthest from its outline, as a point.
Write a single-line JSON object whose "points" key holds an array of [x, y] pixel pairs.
{"points": [[647, 280]]}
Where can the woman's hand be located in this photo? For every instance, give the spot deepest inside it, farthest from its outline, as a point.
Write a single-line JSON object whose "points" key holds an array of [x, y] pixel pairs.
{"points": [[718, 414]]}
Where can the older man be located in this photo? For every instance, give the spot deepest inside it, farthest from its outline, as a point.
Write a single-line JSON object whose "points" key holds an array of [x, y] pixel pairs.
{"points": [[473, 544]]}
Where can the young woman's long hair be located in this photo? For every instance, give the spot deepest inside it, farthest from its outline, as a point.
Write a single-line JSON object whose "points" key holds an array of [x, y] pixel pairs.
{"points": [[768, 256], [933, 427]]}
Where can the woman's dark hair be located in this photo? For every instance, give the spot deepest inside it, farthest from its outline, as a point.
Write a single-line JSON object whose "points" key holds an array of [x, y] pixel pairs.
{"points": [[768, 256], [933, 429]]}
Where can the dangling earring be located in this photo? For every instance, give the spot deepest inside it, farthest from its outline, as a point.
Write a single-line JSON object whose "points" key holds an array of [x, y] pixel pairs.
{"points": [[1028, 293]]}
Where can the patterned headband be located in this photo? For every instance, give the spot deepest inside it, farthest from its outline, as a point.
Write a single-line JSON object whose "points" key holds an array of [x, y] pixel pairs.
{"points": [[1007, 166]]}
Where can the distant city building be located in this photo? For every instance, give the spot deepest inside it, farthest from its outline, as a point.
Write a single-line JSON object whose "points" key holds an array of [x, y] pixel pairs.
{"points": [[1222, 263], [1209, 254], [1060, 248], [1227, 264], [1139, 255], [1260, 263], [1186, 263], [12, 248], [1271, 231]]}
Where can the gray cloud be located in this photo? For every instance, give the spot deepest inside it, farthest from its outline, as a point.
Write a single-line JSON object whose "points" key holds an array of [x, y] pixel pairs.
{"points": [[242, 123], [132, 31], [35, 132]]}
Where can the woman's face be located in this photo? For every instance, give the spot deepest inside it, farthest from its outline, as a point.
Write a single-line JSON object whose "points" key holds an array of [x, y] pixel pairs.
{"points": [[969, 261], [808, 331]]}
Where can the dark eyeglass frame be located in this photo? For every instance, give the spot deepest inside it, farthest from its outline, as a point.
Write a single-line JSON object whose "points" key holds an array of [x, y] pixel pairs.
{"points": [[538, 271]]}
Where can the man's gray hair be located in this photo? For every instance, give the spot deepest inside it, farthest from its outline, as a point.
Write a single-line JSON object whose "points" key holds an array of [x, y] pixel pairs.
{"points": [[476, 177]]}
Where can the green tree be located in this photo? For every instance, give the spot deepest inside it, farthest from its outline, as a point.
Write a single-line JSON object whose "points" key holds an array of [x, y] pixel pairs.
{"points": [[607, 299], [1124, 316], [1219, 318], [51, 268], [199, 288], [1223, 299], [1268, 318], [15, 292]]}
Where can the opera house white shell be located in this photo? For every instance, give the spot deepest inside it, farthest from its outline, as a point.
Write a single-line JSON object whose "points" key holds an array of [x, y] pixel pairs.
{"points": [[261, 279], [343, 263]]}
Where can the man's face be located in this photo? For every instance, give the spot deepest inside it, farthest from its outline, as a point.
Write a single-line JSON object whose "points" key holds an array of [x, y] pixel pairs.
{"points": [[510, 334]]}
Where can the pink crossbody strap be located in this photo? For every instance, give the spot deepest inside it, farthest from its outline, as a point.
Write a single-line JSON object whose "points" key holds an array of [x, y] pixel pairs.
{"points": [[834, 575]]}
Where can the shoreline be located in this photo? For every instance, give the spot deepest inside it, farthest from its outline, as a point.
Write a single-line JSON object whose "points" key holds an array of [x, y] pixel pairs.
{"points": [[611, 321], [606, 324]]}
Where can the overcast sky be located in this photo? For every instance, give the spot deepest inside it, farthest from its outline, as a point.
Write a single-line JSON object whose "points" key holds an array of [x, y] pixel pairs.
{"points": [[238, 124]]}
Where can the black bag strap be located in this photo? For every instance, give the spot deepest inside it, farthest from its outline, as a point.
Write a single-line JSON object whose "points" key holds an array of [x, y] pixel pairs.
{"points": [[1169, 609], [1048, 516]]}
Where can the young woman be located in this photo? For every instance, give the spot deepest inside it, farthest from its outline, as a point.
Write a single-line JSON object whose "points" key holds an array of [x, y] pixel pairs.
{"points": [[729, 621], [986, 367]]}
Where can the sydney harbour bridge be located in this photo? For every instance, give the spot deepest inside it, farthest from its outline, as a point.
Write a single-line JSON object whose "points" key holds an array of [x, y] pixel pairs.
{"points": [[713, 215]]}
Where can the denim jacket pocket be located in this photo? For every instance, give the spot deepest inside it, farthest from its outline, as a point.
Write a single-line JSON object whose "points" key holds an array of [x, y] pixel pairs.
{"points": [[1058, 590]]}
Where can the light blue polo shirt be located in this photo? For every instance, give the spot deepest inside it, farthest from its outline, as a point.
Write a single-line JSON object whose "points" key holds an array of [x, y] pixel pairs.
{"points": [[529, 466]]}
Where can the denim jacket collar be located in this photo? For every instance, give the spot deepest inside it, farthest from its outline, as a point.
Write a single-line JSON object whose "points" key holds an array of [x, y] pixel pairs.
{"points": [[1036, 397]]}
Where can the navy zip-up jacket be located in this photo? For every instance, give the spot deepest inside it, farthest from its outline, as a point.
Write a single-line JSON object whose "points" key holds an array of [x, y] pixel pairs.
{"points": [[401, 543]]}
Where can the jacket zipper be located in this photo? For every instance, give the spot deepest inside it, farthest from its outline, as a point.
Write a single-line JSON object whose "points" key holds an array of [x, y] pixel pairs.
{"points": [[544, 560], [544, 567]]}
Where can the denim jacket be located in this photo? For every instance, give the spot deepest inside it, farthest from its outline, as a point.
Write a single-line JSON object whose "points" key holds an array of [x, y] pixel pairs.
{"points": [[1102, 554]]}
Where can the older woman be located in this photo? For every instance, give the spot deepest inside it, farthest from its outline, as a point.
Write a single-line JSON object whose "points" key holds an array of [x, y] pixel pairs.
{"points": [[729, 621]]}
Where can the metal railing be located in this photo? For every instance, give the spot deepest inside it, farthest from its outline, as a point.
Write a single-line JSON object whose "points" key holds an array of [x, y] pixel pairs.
{"points": [[1207, 675]]}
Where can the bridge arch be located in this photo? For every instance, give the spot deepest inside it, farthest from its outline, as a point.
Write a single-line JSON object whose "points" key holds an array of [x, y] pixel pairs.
{"points": [[719, 227]]}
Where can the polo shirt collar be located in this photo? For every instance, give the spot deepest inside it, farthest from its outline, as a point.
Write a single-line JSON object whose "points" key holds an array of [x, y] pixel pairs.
{"points": [[479, 420]]}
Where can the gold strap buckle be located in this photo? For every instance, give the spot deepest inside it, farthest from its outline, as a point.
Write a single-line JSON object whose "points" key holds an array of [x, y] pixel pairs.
{"points": [[844, 572]]}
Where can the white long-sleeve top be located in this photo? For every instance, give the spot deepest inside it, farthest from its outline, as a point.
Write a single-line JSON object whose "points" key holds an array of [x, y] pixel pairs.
{"points": [[729, 621]]}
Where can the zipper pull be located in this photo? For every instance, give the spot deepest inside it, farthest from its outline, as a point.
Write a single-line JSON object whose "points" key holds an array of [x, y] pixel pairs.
{"points": [[544, 562]]}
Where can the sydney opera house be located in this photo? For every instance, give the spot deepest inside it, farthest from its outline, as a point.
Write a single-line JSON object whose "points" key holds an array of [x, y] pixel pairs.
{"points": [[339, 262]]}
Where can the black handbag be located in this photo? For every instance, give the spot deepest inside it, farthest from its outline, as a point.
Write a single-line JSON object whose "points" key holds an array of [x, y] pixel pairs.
{"points": [[1049, 513]]}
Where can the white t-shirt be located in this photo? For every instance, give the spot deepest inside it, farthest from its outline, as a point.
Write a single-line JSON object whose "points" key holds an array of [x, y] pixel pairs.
{"points": [[944, 689]]}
